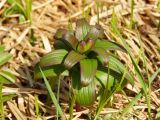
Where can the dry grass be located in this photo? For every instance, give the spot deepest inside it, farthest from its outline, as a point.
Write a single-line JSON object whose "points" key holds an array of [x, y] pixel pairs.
{"points": [[48, 15]]}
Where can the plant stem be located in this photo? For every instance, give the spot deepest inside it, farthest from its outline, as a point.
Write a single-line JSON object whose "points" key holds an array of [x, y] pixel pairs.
{"points": [[131, 19], [58, 92], [72, 97]]}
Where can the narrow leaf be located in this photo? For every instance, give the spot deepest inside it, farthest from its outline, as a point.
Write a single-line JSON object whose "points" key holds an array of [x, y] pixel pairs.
{"points": [[7, 76], [1, 103], [53, 58], [2, 47], [102, 55], [28, 10], [4, 57], [154, 76], [3, 80], [117, 66], [8, 97], [49, 72], [103, 79], [88, 69], [130, 105], [109, 45], [138, 73], [52, 95]]}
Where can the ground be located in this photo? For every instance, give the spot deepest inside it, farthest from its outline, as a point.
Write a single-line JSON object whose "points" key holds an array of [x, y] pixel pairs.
{"points": [[29, 41]]}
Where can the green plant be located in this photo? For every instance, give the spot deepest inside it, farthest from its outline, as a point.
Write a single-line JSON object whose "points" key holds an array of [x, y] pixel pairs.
{"points": [[85, 56], [18, 7], [5, 78], [146, 86]]}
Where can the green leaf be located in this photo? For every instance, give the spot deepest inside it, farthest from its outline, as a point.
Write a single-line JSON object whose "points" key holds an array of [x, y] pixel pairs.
{"points": [[103, 79], [114, 76], [7, 76], [137, 71], [2, 47], [109, 45], [154, 76], [49, 72], [75, 77], [88, 69], [157, 117], [12, 1], [130, 105], [103, 56], [82, 28], [86, 95], [53, 58], [72, 59], [4, 57], [67, 37], [53, 97], [8, 97], [3, 80], [117, 66], [28, 9]]}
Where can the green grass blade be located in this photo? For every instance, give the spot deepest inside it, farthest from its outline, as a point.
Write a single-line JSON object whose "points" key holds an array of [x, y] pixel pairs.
{"points": [[9, 76], [8, 97], [4, 57], [52, 95], [131, 18], [154, 76], [117, 66], [138, 73], [29, 10], [58, 92], [130, 105], [49, 72], [37, 106], [2, 47], [107, 94], [1, 103], [102, 77]]}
